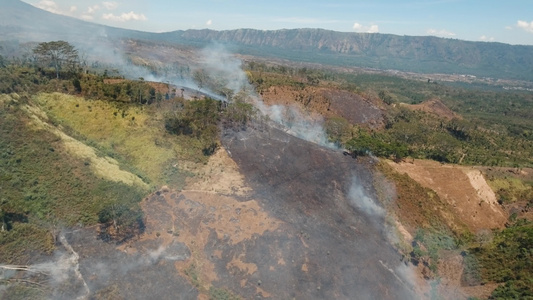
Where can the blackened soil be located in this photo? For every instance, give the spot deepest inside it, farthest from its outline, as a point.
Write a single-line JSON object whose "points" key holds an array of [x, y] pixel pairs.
{"points": [[328, 248]]}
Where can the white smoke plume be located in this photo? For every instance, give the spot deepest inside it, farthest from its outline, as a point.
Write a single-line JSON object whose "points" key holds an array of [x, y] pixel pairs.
{"points": [[224, 68], [360, 200]]}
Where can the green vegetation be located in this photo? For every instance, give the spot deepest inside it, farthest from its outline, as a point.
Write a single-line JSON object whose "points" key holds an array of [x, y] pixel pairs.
{"points": [[198, 119], [508, 259], [201, 119], [60, 55], [484, 127], [42, 184], [221, 294], [22, 240], [510, 188], [421, 135], [45, 185], [432, 240]]}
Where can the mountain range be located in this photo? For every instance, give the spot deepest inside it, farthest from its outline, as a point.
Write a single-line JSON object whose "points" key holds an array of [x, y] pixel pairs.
{"points": [[420, 54]]}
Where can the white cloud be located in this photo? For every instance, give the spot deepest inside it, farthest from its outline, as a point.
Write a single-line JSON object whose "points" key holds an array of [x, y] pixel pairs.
{"points": [[486, 38], [52, 7], [509, 27], [131, 16], [525, 25], [93, 9], [442, 32], [373, 29], [110, 5], [369, 29], [48, 5], [87, 17], [209, 22]]}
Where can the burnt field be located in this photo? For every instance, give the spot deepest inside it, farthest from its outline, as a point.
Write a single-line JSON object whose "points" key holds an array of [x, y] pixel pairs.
{"points": [[333, 246], [306, 229]]}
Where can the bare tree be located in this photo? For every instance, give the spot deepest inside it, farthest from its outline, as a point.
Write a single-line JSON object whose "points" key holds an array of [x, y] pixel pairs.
{"points": [[57, 54]]}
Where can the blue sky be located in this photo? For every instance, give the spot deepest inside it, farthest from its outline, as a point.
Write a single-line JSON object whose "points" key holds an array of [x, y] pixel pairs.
{"points": [[506, 21]]}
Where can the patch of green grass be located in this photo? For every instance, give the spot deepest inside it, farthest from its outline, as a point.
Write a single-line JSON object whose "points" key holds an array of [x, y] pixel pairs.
{"points": [[221, 294], [511, 189], [23, 291], [23, 240], [192, 273]]}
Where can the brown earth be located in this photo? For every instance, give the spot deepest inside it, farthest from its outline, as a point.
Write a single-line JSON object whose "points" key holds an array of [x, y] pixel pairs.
{"points": [[273, 221], [463, 188], [435, 107], [328, 102], [467, 201]]}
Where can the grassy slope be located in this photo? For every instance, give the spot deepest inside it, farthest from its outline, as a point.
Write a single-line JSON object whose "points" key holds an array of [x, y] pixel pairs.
{"points": [[132, 134], [44, 187], [48, 180]]}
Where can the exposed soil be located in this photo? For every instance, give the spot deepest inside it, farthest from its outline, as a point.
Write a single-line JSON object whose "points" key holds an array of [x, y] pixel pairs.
{"points": [[342, 251], [328, 102], [269, 216], [287, 229], [435, 107], [220, 175], [463, 188]]}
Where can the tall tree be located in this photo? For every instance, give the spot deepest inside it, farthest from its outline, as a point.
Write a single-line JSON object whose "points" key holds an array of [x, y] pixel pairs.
{"points": [[57, 54]]}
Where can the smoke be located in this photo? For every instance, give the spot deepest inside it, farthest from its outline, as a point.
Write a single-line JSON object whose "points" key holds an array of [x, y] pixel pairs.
{"points": [[68, 276], [360, 200], [224, 68], [294, 121], [225, 71]]}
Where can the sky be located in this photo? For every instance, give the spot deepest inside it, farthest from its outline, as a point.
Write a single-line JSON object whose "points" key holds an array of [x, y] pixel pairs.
{"points": [[506, 21]]}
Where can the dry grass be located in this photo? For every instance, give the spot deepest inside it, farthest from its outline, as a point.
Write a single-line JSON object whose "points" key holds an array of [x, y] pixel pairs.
{"points": [[105, 167], [132, 132]]}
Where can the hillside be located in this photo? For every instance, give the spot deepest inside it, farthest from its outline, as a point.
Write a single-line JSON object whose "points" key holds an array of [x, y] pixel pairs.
{"points": [[155, 170], [421, 54]]}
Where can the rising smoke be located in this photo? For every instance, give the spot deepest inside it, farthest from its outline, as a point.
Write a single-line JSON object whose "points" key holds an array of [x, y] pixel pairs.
{"points": [[225, 70]]}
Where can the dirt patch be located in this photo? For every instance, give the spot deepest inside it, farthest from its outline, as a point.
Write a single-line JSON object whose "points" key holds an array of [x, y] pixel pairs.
{"points": [[435, 107], [463, 188], [327, 102], [237, 262], [197, 218], [327, 246], [219, 175]]}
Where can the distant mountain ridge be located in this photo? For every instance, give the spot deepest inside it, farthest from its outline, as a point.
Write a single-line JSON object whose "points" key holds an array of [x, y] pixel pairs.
{"points": [[421, 54], [426, 54]]}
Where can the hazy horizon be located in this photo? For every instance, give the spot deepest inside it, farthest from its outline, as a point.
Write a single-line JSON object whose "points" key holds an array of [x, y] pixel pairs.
{"points": [[490, 21]]}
